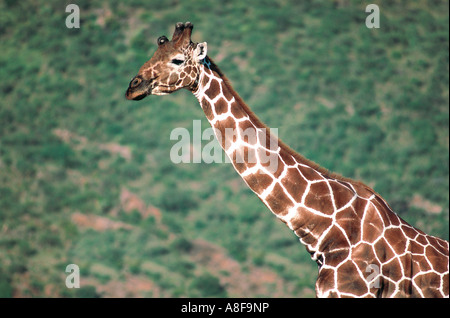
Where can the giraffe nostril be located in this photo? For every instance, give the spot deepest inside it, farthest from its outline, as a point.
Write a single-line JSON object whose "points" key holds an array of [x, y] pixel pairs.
{"points": [[135, 82]]}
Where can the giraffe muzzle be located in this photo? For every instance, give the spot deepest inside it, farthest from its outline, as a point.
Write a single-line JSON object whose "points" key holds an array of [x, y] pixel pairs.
{"points": [[138, 88], [130, 95]]}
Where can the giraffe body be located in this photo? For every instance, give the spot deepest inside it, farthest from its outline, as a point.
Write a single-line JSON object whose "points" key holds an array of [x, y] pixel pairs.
{"points": [[362, 248]]}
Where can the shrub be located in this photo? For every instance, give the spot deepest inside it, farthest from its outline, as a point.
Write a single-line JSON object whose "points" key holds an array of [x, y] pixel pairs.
{"points": [[207, 285]]}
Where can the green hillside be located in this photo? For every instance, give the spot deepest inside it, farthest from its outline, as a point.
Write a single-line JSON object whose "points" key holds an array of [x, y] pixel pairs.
{"points": [[86, 177]]}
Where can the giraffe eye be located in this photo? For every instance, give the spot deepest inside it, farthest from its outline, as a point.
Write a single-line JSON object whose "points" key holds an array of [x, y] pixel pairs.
{"points": [[162, 39], [177, 61]]}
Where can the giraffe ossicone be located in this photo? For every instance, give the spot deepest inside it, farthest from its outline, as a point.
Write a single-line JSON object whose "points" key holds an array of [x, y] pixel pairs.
{"points": [[362, 248]]}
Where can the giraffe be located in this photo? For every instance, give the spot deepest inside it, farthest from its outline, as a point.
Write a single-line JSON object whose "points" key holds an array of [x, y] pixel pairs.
{"points": [[361, 246]]}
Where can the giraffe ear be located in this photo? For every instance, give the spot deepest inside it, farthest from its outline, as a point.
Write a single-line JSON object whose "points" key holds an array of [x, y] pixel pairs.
{"points": [[201, 50]]}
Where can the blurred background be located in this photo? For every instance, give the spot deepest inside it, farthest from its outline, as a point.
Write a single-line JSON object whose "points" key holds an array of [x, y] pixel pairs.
{"points": [[86, 177]]}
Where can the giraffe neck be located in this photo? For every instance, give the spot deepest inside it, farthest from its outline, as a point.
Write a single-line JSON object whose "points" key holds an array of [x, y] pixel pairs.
{"points": [[348, 228], [296, 190]]}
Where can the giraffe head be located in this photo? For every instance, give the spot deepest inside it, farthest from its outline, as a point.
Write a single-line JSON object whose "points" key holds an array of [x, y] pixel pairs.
{"points": [[174, 65]]}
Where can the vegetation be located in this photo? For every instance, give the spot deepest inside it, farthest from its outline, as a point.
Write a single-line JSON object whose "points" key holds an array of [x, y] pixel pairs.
{"points": [[86, 177]]}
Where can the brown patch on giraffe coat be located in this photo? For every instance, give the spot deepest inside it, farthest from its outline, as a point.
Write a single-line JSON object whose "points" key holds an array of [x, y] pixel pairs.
{"points": [[309, 226], [173, 78], [421, 263], [349, 281], [279, 165], [373, 225], [221, 106], [187, 81], [250, 156], [337, 257], [237, 111], [342, 194], [278, 202], [428, 279], [228, 93], [240, 167], [406, 288], [309, 173], [416, 248], [408, 259], [392, 269], [434, 258], [294, 183], [227, 128], [213, 90], [395, 238], [410, 232], [445, 284], [383, 250], [334, 240], [259, 181], [248, 132], [245, 156], [206, 106], [433, 280], [389, 218], [319, 198], [287, 158], [205, 79], [359, 206], [421, 238], [266, 159], [271, 142], [325, 279], [363, 191], [363, 255], [349, 221], [434, 241]]}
